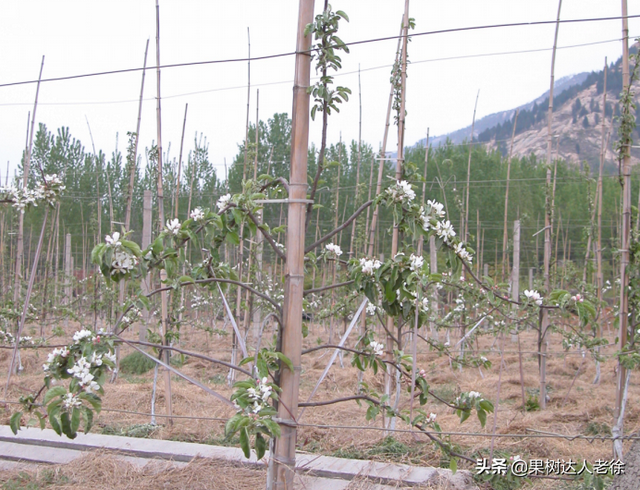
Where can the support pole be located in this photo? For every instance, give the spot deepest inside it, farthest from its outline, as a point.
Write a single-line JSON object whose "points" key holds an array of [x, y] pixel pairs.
{"points": [[285, 446]]}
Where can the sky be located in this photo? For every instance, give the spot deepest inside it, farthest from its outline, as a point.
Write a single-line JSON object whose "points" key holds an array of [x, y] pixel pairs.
{"points": [[446, 72]]}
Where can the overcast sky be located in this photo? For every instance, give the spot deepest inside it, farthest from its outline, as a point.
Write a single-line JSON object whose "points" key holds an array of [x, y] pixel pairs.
{"points": [[87, 36]]}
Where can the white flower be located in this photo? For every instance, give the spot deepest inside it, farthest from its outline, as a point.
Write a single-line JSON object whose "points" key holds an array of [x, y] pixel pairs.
{"points": [[113, 240], [173, 226], [223, 202], [444, 229], [462, 252], [371, 309], [82, 334], [436, 208], [483, 359], [378, 348], [401, 192], [369, 266], [474, 394], [577, 298], [408, 192], [122, 262], [533, 296], [425, 305], [432, 418], [71, 401], [91, 387], [416, 262], [96, 359], [197, 214], [424, 220], [333, 248]]}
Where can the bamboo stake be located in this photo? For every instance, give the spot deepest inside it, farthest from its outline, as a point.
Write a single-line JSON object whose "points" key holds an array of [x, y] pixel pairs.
{"points": [[239, 292], [390, 424], [383, 154], [133, 170], [623, 316], [176, 204], [248, 297], [598, 254], [335, 225], [163, 274], [285, 445], [25, 307], [544, 319], [356, 201], [466, 208], [17, 287], [505, 235]]}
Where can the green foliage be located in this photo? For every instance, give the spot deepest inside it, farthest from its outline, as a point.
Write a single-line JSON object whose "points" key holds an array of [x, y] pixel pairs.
{"points": [[136, 363], [143, 431], [324, 30]]}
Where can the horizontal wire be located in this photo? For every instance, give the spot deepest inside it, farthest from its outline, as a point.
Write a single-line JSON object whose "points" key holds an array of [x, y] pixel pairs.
{"points": [[340, 74], [353, 43], [570, 437]]}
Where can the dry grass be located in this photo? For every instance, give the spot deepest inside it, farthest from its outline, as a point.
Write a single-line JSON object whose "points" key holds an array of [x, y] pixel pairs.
{"points": [[104, 471], [588, 408]]}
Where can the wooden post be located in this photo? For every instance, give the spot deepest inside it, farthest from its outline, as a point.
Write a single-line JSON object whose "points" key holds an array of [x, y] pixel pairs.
{"points": [[544, 318], [285, 446]]}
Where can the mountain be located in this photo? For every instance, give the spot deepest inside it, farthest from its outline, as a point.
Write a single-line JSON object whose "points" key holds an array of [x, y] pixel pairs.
{"points": [[493, 120], [577, 122]]}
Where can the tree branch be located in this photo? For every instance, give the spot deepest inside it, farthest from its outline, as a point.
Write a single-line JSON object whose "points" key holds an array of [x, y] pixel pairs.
{"points": [[267, 236], [325, 288], [277, 180], [339, 228], [338, 400]]}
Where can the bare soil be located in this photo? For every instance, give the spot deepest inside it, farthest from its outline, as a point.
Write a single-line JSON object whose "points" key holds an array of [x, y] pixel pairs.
{"points": [[575, 406]]}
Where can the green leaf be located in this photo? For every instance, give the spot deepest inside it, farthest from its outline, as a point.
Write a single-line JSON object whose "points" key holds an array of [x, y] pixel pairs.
{"points": [[53, 393], [88, 419], [486, 405], [66, 425], [75, 420], [15, 422], [54, 419], [230, 427], [482, 416], [133, 246], [93, 399], [453, 465], [244, 442], [261, 446], [285, 360], [233, 238], [273, 427]]}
